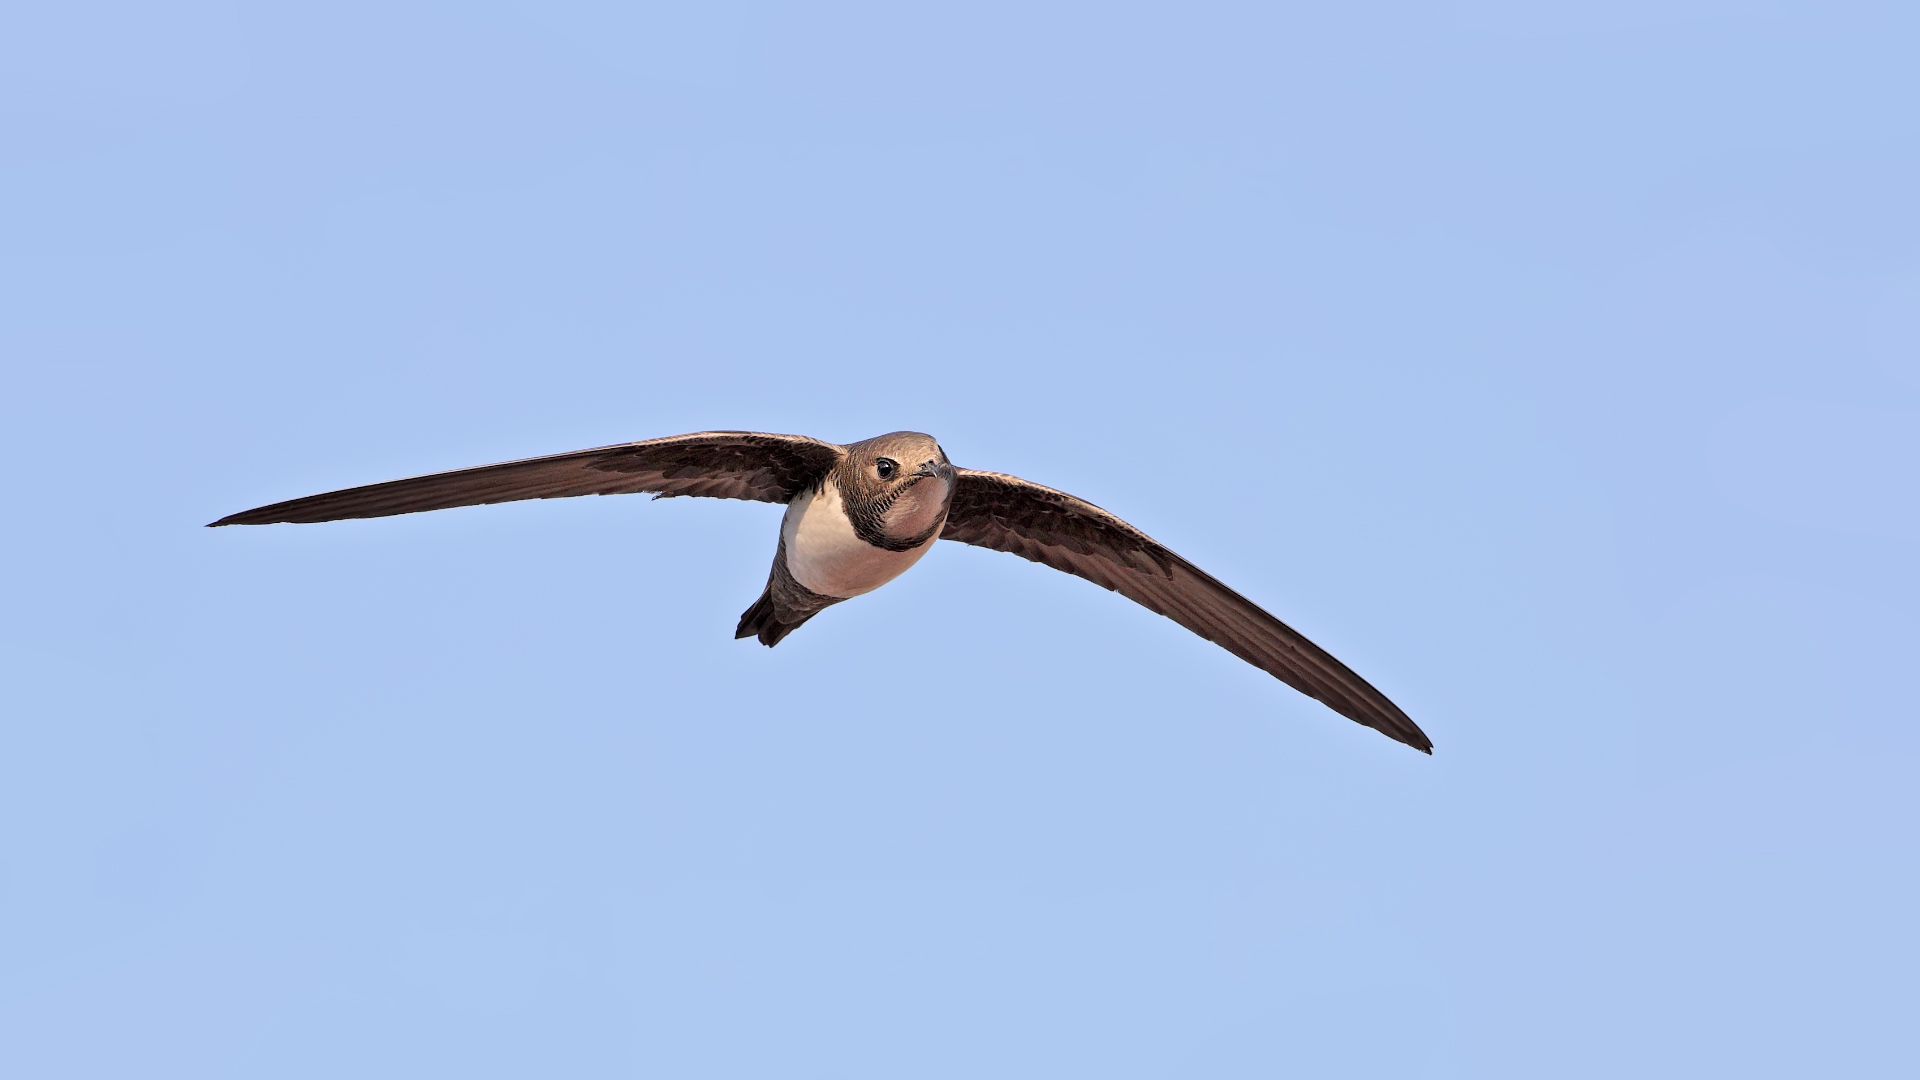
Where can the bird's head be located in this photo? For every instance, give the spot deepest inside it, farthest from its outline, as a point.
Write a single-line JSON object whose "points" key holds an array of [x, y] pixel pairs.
{"points": [[897, 488]]}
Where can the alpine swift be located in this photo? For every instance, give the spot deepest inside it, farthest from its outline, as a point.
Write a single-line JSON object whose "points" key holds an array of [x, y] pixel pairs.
{"points": [[859, 515]]}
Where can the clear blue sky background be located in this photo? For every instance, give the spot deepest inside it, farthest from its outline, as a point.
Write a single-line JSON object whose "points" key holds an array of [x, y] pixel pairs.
{"points": [[1558, 370]]}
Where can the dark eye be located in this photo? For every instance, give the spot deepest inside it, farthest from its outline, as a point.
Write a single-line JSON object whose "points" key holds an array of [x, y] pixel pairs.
{"points": [[887, 467]]}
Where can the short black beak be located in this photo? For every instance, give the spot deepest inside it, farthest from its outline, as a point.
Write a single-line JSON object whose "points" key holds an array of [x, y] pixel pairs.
{"points": [[935, 467]]}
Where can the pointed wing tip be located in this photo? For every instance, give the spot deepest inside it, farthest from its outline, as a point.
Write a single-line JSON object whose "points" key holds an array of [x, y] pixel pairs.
{"points": [[1395, 725], [1414, 738], [234, 519], [1382, 716], [271, 514], [1410, 735]]}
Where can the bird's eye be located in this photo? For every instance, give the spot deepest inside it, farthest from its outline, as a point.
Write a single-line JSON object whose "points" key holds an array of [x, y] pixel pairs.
{"points": [[887, 467]]}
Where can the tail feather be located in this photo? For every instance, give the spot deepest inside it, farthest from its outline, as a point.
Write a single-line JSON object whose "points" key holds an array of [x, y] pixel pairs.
{"points": [[784, 605], [762, 620]]}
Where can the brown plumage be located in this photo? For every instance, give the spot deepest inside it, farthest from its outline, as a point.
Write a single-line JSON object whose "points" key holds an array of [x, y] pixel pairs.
{"points": [[718, 464], [1006, 513], [872, 493], [783, 605]]}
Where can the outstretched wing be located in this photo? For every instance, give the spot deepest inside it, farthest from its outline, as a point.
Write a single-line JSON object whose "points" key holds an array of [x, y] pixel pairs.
{"points": [[1007, 513], [719, 464]]}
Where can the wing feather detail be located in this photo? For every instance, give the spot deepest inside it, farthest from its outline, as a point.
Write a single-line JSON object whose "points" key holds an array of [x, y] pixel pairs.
{"points": [[715, 464], [1053, 528]]}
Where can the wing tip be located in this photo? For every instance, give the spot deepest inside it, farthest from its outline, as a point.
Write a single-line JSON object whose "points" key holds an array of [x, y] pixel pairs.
{"points": [[1405, 731], [240, 518], [1413, 737]]}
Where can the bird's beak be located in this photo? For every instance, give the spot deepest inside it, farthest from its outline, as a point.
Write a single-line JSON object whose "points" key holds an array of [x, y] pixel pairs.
{"points": [[935, 467]]}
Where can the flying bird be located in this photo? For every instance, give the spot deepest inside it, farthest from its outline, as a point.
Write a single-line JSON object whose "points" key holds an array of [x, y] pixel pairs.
{"points": [[860, 515]]}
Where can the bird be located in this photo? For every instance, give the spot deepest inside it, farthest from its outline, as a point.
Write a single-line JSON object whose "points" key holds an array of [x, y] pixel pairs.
{"points": [[861, 514]]}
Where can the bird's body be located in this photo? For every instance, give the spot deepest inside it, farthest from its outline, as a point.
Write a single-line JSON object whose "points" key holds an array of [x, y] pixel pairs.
{"points": [[862, 514], [854, 532], [827, 556]]}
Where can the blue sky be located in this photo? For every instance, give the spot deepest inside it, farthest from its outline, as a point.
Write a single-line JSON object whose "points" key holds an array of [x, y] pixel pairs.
{"points": [[1559, 370]]}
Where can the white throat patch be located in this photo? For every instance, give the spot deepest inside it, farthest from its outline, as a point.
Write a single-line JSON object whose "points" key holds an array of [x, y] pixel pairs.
{"points": [[824, 555]]}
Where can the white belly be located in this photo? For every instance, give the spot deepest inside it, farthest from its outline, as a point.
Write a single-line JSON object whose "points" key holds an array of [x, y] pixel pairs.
{"points": [[824, 555]]}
